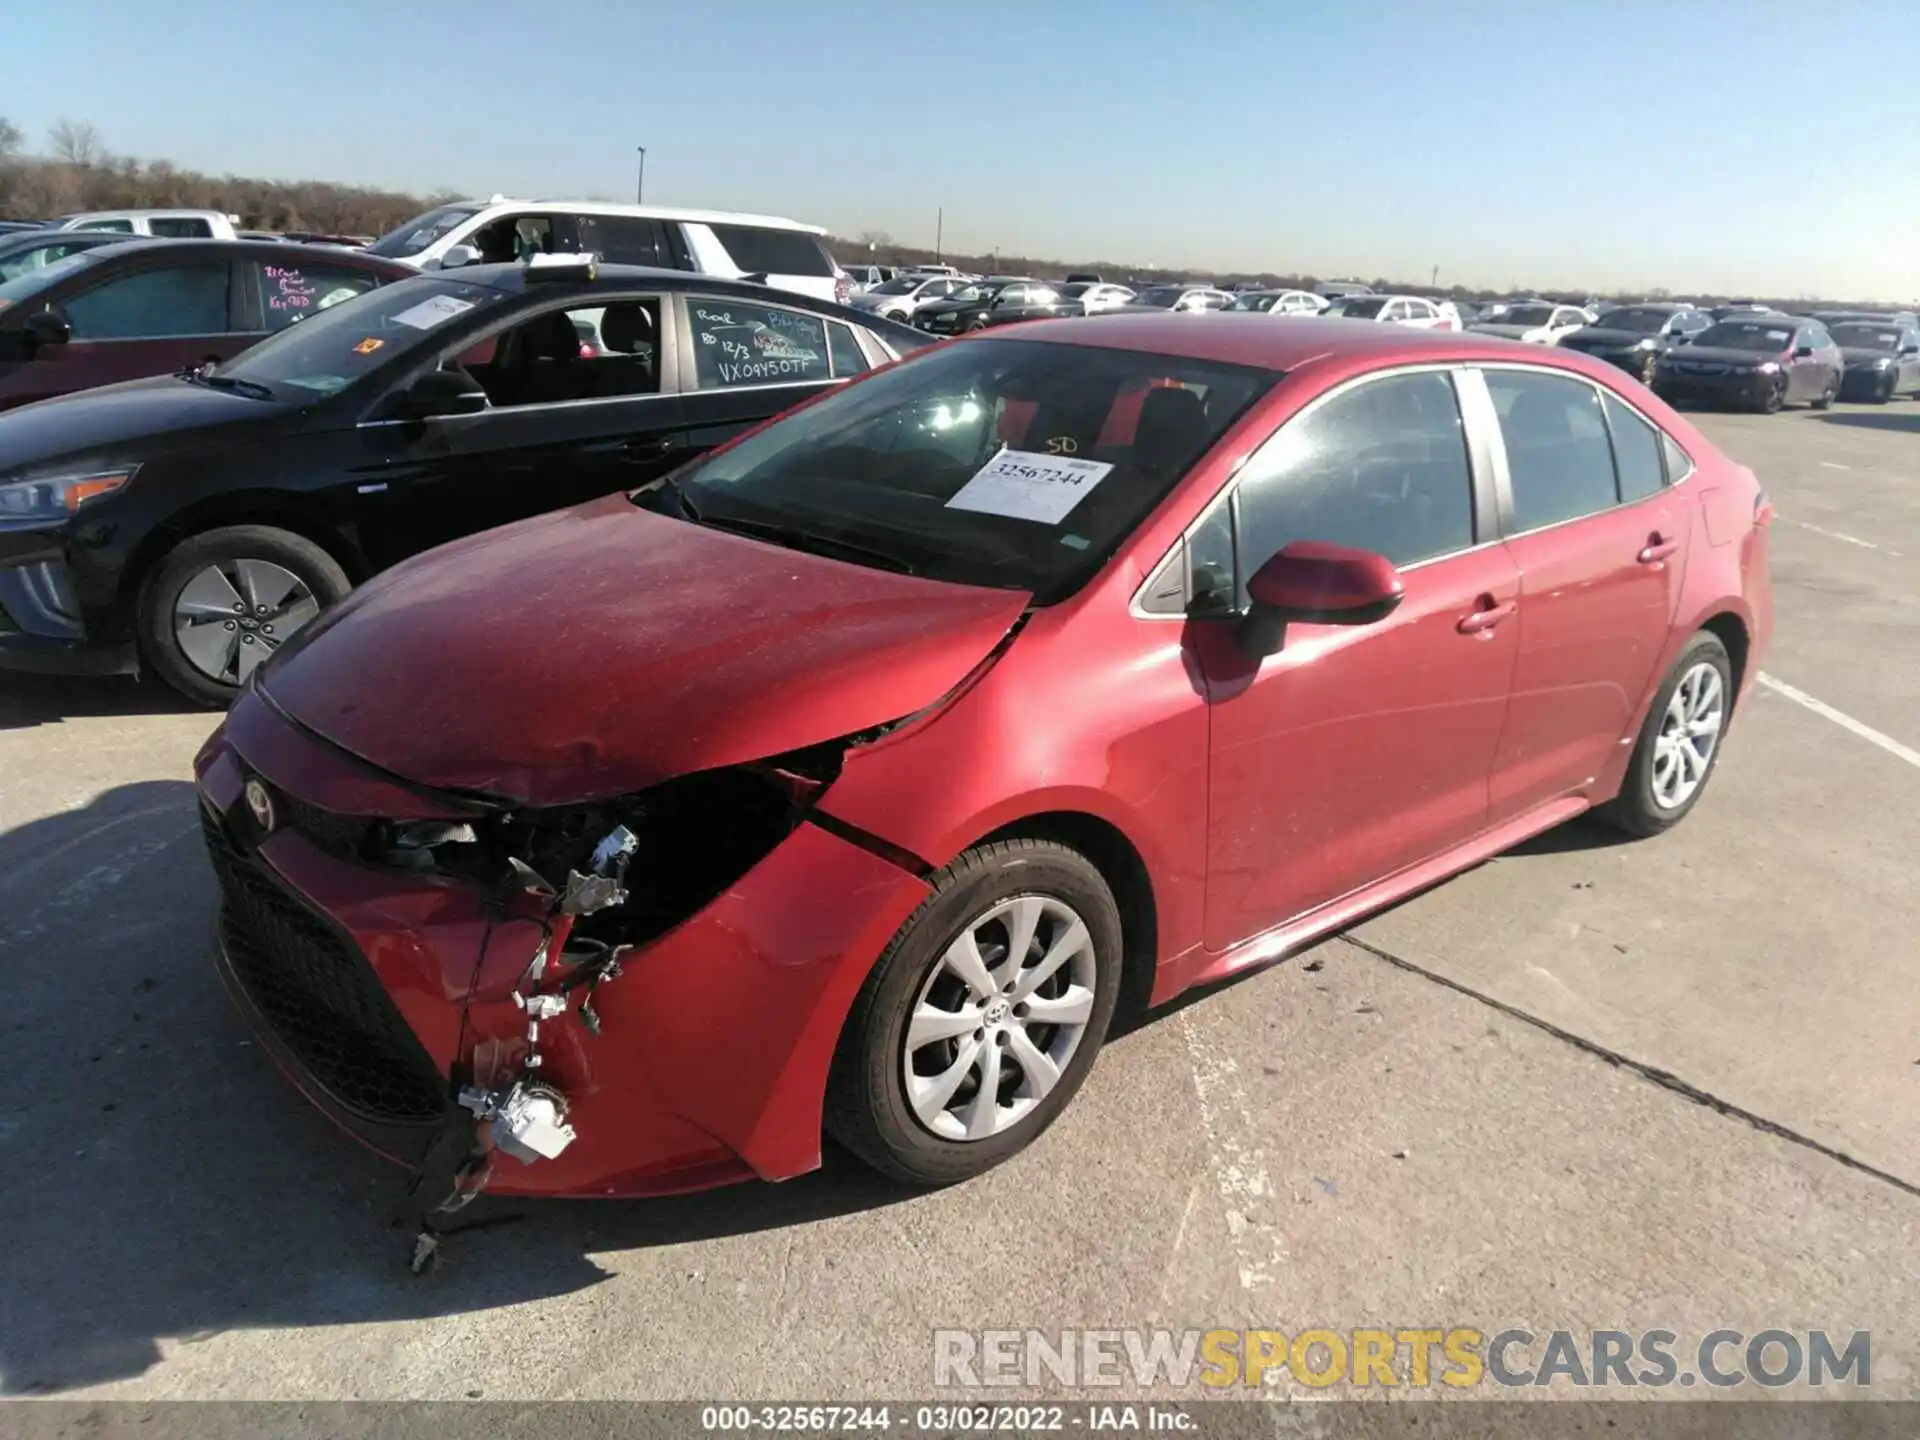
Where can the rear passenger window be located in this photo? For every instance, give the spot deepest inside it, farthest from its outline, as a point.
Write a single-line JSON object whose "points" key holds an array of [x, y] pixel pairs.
{"points": [[1636, 452], [1382, 467], [180, 228], [1559, 460], [291, 292], [737, 344], [624, 239], [760, 251], [848, 358]]}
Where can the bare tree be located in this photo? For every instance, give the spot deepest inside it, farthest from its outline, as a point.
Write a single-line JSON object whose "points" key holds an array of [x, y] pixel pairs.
{"points": [[76, 142], [875, 239], [10, 137]]}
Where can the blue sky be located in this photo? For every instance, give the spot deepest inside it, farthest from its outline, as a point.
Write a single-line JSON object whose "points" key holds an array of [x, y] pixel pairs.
{"points": [[1725, 145]]}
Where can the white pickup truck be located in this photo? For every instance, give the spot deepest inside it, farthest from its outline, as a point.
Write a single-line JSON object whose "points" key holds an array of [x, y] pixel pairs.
{"points": [[166, 224]]}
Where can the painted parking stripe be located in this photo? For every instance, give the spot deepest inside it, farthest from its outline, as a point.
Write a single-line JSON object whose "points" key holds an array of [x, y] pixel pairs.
{"points": [[1845, 722], [1836, 535], [1834, 465]]}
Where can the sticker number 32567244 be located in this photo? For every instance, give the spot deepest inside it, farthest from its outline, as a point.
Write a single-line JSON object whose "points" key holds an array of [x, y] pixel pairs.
{"points": [[1026, 485]]}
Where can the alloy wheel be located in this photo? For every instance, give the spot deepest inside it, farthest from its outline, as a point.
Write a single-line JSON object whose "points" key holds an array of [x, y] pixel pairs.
{"points": [[231, 616], [1689, 731], [999, 1018], [1776, 397]]}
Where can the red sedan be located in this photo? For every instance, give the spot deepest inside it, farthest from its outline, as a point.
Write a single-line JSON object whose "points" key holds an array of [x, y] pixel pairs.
{"points": [[847, 781]]}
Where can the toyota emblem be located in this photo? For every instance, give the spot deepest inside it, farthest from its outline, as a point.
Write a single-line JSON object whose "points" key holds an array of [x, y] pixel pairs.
{"points": [[261, 804]]}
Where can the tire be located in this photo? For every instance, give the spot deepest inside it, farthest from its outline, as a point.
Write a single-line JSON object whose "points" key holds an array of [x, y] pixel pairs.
{"points": [[1776, 397], [1887, 390], [256, 559], [1828, 395], [869, 1109], [1641, 808], [979, 322]]}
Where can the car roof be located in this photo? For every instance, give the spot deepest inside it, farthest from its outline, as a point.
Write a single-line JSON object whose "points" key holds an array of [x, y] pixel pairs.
{"points": [[645, 212], [1241, 339], [283, 251]]}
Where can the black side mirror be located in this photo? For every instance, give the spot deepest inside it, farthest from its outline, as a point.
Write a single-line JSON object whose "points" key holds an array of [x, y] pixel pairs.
{"points": [[1803, 352], [45, 328], [440, 393]]}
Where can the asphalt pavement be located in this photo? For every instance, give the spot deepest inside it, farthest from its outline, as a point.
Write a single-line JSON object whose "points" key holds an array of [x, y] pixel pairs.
{"points": [[1658, 1084]]}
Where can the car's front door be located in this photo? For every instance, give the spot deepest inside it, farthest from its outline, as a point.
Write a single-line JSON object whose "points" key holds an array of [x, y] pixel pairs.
{"points": [[1600, 544], [150, 319], [745, 361], [1353, 752], [568, 420]]}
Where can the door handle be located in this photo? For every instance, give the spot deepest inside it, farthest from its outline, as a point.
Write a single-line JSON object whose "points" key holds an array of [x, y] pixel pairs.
{"points": [[1487, 616], [1657, 549]]}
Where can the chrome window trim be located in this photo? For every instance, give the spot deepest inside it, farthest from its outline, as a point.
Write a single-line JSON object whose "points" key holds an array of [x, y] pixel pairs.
{"points": [[1485, 532]]}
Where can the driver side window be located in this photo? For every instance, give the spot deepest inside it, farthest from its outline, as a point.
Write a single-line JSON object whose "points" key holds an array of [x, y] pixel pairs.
{"points": [[1380, 467]]}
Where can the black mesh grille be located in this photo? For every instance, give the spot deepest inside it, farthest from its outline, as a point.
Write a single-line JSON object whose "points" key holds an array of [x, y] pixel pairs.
{"points": [[335, 833], [320, 997]]}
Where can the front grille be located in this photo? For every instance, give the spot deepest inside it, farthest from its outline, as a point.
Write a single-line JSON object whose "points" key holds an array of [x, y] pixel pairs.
{"points": [[317, 993], [337, 834]]}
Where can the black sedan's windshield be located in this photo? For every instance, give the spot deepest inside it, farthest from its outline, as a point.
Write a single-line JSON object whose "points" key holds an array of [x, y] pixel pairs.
{"points": [[1016, 464], [332, 348], [1865, 337], [1745, 335], [1364, 307], [1161, 297], [1641, 322], [1527, 315]]}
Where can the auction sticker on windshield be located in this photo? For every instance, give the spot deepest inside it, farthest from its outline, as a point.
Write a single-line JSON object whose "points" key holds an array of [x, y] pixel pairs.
{"points": [[1025, 485], [431, 312]]}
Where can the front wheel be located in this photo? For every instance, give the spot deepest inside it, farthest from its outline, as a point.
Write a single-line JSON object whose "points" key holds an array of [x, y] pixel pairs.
{"points": [[1679, 741], [1775, 400], [224, 601], [983, 1016]]}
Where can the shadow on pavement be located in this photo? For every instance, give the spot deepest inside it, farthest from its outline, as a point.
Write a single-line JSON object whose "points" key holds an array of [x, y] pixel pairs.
{"points": [[163, 1179], [28, 699], [1903, 421]]}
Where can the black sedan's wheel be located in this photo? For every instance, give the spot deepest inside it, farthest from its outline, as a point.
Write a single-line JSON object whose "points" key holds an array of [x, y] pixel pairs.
{"points": [[224, 601], [1887, 388], [1679, 742], [1775, 400], [983, 1016], [978, 322]]}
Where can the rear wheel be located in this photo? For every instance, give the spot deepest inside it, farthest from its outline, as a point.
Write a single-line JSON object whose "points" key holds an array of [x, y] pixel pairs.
{"points": [[224, 601], [1679, 742], [1828, 395], [982, 1017]]}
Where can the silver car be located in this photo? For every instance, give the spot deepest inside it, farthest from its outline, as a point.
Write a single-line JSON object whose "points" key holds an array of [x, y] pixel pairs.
{"points": [[900, 297]]}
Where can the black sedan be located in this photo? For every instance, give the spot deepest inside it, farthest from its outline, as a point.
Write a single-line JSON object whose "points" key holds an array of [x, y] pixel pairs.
{"points": [[997, 300], [187, 525], [1883, 360], [1763, 362], [1634, 337]]}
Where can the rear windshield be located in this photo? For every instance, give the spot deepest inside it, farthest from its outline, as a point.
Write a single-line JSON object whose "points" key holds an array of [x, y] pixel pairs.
{"points": [[1528, 315], [1006, 463], [421, 231], [1358, 308], [1642, 322], [1162, 297], [761, 251], [1746, 335], [1256, 302]]}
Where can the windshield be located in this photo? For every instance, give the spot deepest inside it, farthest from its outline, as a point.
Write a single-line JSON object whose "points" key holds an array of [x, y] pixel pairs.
{"points": [[1256, 302], [1527, 315], [900, 285], [1015, 464], [1161, 297], [421, 231], [1641, 322], [1865, 337], [26, 285], [1358, 307], [332, 348], [1746, 335]]}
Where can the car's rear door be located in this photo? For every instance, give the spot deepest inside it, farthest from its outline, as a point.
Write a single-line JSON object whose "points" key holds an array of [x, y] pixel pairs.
{"points": [[142, 316], [1600, 544], [742, 361], [1354, 751]]}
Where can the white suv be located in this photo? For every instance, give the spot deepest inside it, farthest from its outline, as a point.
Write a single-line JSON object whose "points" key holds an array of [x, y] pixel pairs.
{"points": [[781, 253]]}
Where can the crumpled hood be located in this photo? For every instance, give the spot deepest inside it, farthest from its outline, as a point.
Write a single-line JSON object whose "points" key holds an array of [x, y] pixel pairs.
{"points": [[600, 650]]}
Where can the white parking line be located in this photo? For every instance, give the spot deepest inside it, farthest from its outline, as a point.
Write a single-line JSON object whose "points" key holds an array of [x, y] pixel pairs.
{"points": [[1836, 535], [1834, 465], [1845, 722]]}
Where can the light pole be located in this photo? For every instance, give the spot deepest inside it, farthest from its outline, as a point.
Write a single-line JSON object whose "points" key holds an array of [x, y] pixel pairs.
{"points": [[640, 185]]}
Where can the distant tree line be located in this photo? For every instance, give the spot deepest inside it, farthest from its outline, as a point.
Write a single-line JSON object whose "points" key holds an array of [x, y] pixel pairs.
{"points": [[78, 172]]}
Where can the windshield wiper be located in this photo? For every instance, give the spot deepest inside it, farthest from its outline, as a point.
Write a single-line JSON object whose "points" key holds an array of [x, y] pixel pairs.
{"points": [[252, 389], [794, 538]]}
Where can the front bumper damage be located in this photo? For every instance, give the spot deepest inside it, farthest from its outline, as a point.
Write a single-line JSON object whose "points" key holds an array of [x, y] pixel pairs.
{"points": [[486, 1040]]}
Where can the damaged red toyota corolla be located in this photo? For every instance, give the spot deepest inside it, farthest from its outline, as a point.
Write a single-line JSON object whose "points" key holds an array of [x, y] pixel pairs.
{"points": [[847, 781]]}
